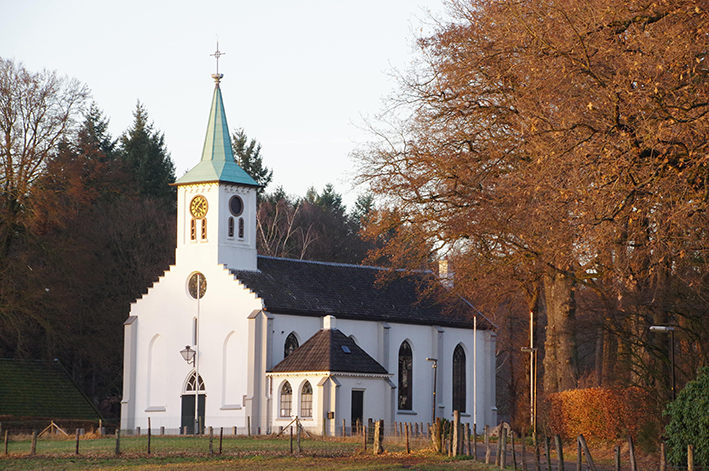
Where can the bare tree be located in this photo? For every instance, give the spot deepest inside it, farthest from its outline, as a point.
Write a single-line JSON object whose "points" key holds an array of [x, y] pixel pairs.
{"points": [[37, 112]]}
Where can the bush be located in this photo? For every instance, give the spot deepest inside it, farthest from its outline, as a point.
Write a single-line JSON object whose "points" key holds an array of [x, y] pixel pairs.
{"points": [[689, 422], [601, 414]]}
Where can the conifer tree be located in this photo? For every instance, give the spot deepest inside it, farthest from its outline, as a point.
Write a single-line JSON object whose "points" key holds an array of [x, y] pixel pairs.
{"points": [[145, 155], [248, 155]]}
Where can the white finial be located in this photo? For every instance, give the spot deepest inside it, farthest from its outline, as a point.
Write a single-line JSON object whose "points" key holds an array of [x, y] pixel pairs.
{"points": [[217, 54]]}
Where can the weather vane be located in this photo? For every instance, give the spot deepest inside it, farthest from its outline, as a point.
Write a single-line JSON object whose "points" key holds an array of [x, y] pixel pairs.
{"points": [[217, 54]]}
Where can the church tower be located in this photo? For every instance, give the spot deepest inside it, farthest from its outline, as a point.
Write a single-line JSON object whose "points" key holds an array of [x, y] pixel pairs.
{"points": [[216, 201]]}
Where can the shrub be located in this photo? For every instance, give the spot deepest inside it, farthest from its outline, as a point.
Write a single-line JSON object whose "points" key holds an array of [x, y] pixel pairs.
{"points": [[600, 414], [689, 422]]}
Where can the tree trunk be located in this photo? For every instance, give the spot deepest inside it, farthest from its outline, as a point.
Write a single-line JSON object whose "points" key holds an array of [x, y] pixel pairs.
{"points": [[560, 357]]}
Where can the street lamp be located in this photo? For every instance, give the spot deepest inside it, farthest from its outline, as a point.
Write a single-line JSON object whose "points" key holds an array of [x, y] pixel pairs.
{"points": [[532, 388], [188, 354], [435, 377], [665, 329]]}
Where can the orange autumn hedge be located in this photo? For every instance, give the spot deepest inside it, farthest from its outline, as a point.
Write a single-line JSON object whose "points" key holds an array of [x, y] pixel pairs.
{"points": [[600, 414]]}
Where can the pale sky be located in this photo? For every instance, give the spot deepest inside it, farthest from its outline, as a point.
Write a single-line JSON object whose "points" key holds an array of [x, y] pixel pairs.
{"points": [[301, 77]]}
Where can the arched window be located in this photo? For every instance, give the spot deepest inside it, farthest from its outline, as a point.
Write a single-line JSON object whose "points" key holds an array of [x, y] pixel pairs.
{"points": [[459, 379], [241, 228], [192, 382], [290, 345], [204, 228], [405, 377], [231, 227], [286, 399], [306, 400], [193, 229]]}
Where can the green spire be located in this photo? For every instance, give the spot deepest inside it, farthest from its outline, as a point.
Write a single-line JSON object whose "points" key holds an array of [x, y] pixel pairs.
{"points": [[217, 164]]}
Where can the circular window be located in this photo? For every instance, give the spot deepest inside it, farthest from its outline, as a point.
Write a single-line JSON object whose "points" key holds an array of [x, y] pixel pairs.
{"points": [[236, 206], [197, 285]]}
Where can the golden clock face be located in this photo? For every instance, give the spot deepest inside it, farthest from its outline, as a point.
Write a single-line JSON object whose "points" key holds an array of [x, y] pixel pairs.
{"points": [[198, 207], [197, 285]]}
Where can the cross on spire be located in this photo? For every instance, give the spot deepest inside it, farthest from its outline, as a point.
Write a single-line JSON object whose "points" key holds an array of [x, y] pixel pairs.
{"points": [[217, 54]]}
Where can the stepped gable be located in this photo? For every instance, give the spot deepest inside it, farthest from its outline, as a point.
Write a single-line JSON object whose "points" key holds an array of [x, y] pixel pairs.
{"points": [[332, 351], [307, 288]]}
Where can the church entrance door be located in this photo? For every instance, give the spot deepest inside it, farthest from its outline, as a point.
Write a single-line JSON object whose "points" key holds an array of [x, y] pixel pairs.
{"points": [[188, 413], [357, 411]]}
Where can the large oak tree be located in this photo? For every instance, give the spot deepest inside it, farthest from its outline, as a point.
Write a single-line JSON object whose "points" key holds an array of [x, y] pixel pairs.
{"points": [[558, 148]]}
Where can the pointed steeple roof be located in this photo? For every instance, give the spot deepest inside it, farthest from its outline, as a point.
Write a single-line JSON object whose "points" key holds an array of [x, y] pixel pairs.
{"points": [[217, 164]]}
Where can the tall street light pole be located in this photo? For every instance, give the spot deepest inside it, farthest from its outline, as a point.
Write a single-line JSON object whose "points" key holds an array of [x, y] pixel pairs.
{"points": [[435, 378], [671, 330], [532, 389]]}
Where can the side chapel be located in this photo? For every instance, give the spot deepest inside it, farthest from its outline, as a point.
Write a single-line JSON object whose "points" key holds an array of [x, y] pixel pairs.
{"points": [[229, 338]]}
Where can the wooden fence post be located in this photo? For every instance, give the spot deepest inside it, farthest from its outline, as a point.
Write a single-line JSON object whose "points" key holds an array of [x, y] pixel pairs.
{"points": [[76, 450], [455, 438], [221, 437], [6, 441], [487, 444], [524, 451], [586, 452], [364, 435], [211, 440], [579, 454], [298, 428], [514, 455], [149, 434], [690, 457], [547, 446], [378, 438], [117, 451], [475, 441], [631, 451], [663, 457], [248, 426], [467, 436], [408, 447], [616, 450], [502, 447], [33, 446], [559, 451]]}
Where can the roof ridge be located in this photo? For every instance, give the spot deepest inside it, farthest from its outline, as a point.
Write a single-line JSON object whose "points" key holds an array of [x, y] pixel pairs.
{"points": [[340, 264]]}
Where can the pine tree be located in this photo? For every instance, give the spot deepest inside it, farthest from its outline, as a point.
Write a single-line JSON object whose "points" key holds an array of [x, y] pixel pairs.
{"points": [[145, 155], [248, 155]]}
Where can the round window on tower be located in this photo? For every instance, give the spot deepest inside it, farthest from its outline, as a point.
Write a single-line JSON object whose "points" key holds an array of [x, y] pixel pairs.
{"points": [[236, 205], [197, 285]]}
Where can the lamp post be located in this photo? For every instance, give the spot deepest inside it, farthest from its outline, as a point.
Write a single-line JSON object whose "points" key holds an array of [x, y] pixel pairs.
{"points": [[435, 377], [665, 329], [475, 373], [532, 388]]}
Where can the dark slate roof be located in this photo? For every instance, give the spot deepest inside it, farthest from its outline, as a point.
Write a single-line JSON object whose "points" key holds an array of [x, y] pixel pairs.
{"points": [[32, 388], [324, 352], [301, 287]]}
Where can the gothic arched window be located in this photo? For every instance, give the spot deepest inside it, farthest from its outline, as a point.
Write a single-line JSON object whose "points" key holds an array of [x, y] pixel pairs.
{"points": [[290, 345], [459, 379], [230, 234], [204, 228], [193, 229], [405, 377], [241, 228], [306, 400], [286, 399]]}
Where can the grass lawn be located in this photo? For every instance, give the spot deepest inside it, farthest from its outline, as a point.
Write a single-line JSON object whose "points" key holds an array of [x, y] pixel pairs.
{"points": [[252, 454]]}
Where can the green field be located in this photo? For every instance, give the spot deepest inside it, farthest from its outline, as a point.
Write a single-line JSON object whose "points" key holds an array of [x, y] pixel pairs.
{"points": [[253, 454]]}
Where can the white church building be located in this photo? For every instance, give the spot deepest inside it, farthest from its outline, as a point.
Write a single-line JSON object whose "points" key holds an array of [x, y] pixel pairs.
{"points": [[228, 338]]}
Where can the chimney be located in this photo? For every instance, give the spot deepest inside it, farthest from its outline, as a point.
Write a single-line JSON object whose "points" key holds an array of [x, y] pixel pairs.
{"points": [[328, 322], [445, 273]]}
